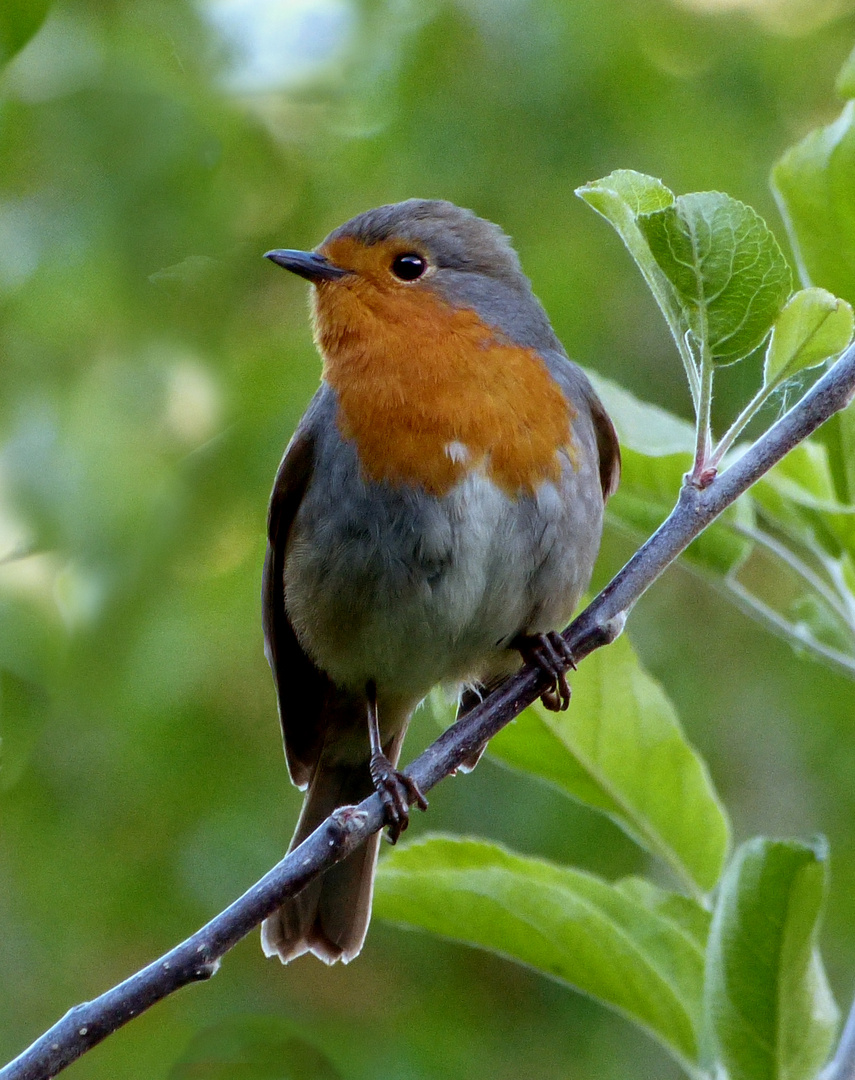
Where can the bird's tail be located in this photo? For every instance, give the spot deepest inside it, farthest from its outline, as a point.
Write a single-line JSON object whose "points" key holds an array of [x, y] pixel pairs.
{"points": [[330, 916]]}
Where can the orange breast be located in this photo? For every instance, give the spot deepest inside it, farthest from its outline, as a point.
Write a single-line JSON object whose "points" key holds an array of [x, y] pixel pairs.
{"points": [[428, 392]]}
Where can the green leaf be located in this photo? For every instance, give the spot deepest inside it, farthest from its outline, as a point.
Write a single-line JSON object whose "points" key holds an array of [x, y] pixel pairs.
{"points": [[726, 267], [813, 186], [20, 20], [620, 197], [624, 194], [813, 326], [627, 947], [770, 1012], [620, 749], [683, 913], [816, 195], [642, 427]]}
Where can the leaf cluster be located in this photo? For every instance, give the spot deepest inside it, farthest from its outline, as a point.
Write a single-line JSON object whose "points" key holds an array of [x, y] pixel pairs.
{"points": [[725, 971]]}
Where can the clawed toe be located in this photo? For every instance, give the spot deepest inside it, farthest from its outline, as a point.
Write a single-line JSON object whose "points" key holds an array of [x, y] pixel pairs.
{"points": [[551, 653], [397, 791]]}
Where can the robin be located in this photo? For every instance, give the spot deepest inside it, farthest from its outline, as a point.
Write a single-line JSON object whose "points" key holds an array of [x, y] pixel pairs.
{"points": [[435, 519]]}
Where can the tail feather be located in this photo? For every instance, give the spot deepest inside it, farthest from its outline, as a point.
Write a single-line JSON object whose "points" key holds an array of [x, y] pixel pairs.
{"points": [[330, 916]]}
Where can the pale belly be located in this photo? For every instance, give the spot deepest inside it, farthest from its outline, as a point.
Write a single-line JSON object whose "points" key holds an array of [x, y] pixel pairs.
{"points": [[410, 591]]}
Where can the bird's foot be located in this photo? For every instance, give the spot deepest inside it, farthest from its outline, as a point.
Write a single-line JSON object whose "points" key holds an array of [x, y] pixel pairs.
{"points": [[397, 791], [551, 653]]}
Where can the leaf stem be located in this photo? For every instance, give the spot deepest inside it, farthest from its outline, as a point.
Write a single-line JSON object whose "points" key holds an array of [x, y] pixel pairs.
{"points": [[776, 623], [702, 445], [735, 429], [800, 567]]}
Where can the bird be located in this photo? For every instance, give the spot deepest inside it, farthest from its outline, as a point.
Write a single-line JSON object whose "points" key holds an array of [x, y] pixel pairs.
{"points": [[434, 520]]}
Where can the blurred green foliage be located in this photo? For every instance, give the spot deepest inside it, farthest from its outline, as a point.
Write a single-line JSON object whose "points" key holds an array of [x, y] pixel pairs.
{"points": [[152, 367]]}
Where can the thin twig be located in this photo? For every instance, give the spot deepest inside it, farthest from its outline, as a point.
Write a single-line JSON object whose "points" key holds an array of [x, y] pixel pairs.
{"points": [[801, 568], [735, 429], [198, 957], [801, 640]]}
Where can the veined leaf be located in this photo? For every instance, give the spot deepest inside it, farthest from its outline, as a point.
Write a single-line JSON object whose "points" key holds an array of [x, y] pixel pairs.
{"points": [[683, 913], [813, 185], [813, 326], [620, 198], [624, 194], [620, 749], [726, 267], [770, 1011], [624, 945]]}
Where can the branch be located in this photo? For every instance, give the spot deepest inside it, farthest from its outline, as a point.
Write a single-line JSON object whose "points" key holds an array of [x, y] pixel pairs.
{"points": [[199, 956]]}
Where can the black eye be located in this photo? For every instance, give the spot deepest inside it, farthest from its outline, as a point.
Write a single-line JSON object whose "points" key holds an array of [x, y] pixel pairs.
{"points": [[409, 266]]}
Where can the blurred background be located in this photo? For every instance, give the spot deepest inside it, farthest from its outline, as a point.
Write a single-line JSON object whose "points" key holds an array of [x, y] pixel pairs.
{"points": [[152, 368]]}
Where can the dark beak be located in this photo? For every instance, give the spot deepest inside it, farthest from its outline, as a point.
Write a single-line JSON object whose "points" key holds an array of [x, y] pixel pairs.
{"points": [[308, 264]]}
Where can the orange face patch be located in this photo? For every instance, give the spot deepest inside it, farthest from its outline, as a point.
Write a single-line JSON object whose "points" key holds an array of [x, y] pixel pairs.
{"points": [[426, 390]]}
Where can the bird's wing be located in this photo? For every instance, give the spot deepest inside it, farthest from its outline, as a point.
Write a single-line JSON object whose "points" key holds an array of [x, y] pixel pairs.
{"points": [[301, 687], [576, 384], [607, 445]]}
